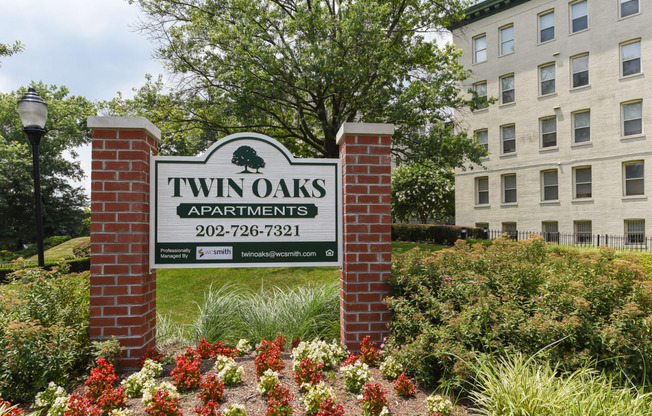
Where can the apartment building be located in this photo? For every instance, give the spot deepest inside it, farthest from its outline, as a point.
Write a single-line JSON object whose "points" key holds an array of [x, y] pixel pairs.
{"points": [[566, 136]]}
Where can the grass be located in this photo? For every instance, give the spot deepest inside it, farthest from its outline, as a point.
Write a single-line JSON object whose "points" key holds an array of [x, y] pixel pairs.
{"points": [[62, 250], [519, 387], [179, 292]]}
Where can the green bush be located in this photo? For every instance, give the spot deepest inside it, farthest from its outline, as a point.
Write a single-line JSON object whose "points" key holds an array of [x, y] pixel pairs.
{"points": [[455, 306], [43, 331], [31, 249], [76, 266]]}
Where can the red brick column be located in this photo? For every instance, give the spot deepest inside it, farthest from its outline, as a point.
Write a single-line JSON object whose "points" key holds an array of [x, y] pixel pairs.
{"points": [[123, 288], [365, 154]]}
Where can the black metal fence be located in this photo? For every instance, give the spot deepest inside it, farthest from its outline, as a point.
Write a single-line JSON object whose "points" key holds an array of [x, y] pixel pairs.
{"points": [[632, 241]]}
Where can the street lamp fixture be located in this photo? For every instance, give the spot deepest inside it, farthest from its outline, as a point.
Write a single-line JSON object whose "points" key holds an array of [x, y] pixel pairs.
{"points": [[33, 112]]}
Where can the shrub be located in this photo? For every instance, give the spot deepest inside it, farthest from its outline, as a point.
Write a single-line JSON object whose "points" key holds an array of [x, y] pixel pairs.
{"points": [[452, 306], [43, 332], [437, 234], [109, 349]]}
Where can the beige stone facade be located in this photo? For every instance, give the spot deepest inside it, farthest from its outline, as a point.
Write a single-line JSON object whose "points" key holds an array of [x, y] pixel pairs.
{"points": [[567, 142]]}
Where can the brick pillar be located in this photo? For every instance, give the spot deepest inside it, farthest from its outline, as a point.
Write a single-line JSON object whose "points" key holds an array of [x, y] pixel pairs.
{"points": [[123, 288], [365, 154]]}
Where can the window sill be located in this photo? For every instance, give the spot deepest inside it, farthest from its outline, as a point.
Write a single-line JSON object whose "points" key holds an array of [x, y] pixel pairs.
{"points": [[581, 144], [634, 198], [632, 137], [582, 201], [505, 105], [549, 95], [629, 16], [579, 31], [580, 88], [546, 42], [506, 54], [628, 77], [479, 63], [507, 155], [509, 205], [481, 110], [482, 206], [549, 149], [555, 202]]}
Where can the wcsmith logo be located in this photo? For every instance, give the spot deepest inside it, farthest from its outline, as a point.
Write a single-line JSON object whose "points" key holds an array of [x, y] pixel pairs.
{"points": [[214, 253]]}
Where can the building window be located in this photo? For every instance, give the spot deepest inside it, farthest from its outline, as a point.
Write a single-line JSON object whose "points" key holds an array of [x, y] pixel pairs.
{"points": [[582, 126], [507, 40], [510, 229], [507, 89], [583, 232], [634, 231], [583, 182], [630, 58], [547, 79], [482, 138], [549, 180], [482, 190], [480, 89], [546, 26], [634, 178], [580, 67], [550, 231], [480, 49], [509, 188], [482, 225], [579, 16], [549, 132], [633, 118], [508, 137], [628, 7]]}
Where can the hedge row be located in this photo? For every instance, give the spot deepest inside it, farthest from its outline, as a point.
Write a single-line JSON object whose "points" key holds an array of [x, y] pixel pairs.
{"points": [[76, 266], [437, 234]]}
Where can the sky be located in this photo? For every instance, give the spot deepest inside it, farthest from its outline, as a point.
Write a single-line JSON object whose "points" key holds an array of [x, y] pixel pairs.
{"points": [[90, 46]]}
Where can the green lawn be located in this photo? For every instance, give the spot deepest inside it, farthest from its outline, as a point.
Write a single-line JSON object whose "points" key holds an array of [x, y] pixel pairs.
{"points": [[179, 291], [62, 250]]}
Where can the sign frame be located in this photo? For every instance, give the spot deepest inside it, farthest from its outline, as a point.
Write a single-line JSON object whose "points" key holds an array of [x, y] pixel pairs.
{"points": [[156, 247]]}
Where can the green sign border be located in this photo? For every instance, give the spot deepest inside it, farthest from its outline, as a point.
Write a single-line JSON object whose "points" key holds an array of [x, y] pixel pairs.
{"points": [[268, 246]]}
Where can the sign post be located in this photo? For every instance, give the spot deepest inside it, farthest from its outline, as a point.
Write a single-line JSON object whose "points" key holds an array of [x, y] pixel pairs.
{"points": [[247, 202]]}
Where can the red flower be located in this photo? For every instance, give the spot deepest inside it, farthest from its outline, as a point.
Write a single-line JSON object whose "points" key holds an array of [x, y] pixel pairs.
{"points": [[328, 408], [403, 386], [187, 374]]}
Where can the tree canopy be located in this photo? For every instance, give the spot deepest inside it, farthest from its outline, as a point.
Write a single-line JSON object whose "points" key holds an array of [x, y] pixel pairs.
{"points": [[8, 50], [63, 204], [297, 70], [424, 192]]}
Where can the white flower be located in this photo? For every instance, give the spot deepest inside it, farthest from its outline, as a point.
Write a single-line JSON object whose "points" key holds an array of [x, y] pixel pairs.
{"points": [[235, 410], [119, 412], [267, 381], [316, 394], [59, 407], [390, 368], [150, 390], [243, 347], [439, 404], [45, 399]]}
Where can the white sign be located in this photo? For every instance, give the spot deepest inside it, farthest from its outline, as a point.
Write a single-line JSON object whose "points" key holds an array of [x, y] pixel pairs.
{"points": [[246, 202]]}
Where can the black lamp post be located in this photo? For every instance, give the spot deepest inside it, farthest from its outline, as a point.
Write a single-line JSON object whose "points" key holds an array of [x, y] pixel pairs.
{"points": [[33, 112]]}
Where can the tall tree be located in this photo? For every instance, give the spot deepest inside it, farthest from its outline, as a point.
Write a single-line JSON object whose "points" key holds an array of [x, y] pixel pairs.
{"points": [[297, 69], [8, 50], [63, 204]]}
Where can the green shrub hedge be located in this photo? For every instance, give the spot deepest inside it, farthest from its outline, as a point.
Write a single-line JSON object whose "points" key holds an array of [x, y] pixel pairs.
{"points": [[43, 331], [437, 234], [455, 306], [76, 266]]}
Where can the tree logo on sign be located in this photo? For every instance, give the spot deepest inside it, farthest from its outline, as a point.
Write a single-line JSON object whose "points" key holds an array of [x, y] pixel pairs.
{"points": [[247, 157]]}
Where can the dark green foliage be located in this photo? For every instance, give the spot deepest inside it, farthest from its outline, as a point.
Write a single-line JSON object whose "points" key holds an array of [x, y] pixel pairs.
{"points": [[43, 332], [63, 204], [437, 234], [31, 249], [473, 301], [76, 266]]}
